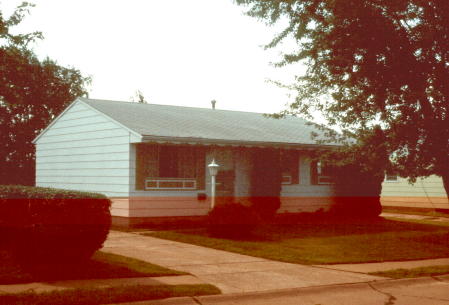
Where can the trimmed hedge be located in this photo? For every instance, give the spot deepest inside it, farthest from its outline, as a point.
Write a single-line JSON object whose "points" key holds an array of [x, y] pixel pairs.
{"points": [[53, 225]]}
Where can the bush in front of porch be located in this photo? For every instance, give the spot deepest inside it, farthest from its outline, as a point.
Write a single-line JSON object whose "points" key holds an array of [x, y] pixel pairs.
{"points": [[232, 221]]}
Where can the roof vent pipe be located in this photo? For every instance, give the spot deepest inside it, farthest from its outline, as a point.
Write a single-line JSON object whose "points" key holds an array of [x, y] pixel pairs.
{"points": [[213, 102]]}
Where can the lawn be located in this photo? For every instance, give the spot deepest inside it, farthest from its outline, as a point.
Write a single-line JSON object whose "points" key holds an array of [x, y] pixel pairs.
{"points": [[414, 272], [319, 242], [101, 265]]}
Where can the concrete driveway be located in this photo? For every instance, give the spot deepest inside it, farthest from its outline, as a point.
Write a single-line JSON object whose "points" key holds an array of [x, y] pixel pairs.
{"points": [[231, 272]]}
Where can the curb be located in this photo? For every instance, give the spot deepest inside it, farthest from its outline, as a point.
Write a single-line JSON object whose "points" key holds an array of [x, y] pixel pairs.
{"points": [[42, 287], [304, 292]]}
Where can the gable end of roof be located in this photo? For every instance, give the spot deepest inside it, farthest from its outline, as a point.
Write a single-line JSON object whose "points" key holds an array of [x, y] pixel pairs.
{"points": [[80, 101], [135, 133], [54, 121]]}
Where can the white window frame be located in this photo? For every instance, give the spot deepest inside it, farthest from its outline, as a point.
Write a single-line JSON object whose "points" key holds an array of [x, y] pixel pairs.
{"points": [[391, 180], [289, 179], [324, 182], [182, 180], [319, 176]]}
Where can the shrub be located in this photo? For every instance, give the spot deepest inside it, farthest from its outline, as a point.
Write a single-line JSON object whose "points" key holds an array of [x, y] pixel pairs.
{"points": [[232, 220], [358, 174], [357, 193], [53, 225]]}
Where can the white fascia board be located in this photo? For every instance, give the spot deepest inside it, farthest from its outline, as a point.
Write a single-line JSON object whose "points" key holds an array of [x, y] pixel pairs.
{"points": [[54, 121]]}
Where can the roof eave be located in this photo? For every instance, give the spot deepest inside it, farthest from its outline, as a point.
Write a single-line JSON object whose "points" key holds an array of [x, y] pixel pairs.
{"points": [[236, 143]]}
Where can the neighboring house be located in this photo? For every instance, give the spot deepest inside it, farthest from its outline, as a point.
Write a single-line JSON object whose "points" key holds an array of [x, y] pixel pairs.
{"points": [[425, 193], [151, 160]]}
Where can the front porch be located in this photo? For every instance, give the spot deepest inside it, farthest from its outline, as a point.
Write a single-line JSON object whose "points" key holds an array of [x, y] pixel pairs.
{"points": [[169, 180]]}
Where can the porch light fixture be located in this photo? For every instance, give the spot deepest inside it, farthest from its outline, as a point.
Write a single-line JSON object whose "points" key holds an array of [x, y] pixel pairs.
{"points": [[213, 171]]}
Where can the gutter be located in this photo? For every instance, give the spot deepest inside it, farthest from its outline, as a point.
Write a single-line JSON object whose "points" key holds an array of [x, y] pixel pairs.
{"points": [[236, 143]]}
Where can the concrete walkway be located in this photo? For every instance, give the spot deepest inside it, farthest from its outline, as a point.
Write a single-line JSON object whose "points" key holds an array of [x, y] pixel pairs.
{"points": [[416, 217], [230, 272], [41, 287], [421, 291]]}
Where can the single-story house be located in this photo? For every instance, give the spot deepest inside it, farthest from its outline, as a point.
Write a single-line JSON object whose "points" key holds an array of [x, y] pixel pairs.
{"points": [[151, 160], [428, 193]]}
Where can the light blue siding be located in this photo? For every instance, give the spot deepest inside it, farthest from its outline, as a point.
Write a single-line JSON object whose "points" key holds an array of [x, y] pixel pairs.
{"points": [[84, 150]]}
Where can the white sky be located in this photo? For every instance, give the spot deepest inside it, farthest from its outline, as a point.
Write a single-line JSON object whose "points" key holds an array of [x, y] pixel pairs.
{"points": [[175, 52]]}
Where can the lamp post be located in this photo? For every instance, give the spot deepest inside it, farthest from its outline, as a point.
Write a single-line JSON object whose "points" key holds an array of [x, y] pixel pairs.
{"points": [[213, 170]]}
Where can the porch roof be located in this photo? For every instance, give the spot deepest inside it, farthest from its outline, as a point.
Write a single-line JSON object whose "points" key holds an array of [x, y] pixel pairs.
{"points": [[179, 124]]}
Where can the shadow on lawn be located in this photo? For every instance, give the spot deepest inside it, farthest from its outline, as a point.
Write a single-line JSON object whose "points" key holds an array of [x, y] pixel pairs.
{"points": [[299, 226], [317, 240], [100, 266]]}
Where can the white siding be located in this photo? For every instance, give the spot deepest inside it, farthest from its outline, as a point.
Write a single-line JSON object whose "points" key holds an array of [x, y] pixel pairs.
{"points": [[84, 150], [132, 168], [425, 193], [242, 183], [120, 207]]}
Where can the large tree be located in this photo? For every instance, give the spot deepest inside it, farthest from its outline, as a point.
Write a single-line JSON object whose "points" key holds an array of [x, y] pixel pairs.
{"points": [[32, 93], [373, 62]]}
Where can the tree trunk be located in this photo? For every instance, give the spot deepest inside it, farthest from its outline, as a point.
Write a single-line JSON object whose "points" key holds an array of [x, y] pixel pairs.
{"points": [[445, 177]]}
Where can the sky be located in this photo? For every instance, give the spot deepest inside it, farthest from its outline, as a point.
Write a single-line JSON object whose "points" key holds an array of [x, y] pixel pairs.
{"points": [[175, 52]]}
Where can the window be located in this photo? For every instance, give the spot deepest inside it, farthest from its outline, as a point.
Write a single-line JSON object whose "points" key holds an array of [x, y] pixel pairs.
{"points": [[286, 178], [170, 183], [169, 167], [391, 177], [324, 173], [168, 162], [290, 167]]}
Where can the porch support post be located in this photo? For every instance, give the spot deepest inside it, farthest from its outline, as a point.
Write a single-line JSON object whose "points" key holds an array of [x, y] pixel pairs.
{"points": [[213, 170], [212, 193]]}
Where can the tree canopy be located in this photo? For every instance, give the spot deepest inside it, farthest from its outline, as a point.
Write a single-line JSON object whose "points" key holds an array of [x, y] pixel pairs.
{"points": [[138, 97], [32, 93], [373, 62]]}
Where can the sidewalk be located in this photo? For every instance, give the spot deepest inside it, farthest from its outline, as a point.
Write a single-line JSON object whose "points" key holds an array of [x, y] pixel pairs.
{"points": [[420, 291], [230, 272], [416, 217]]}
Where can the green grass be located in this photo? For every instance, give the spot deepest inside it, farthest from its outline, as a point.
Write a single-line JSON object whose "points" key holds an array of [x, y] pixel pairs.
{"points": [[329, 243], [101, 265], [414, 272], [91, 296]]}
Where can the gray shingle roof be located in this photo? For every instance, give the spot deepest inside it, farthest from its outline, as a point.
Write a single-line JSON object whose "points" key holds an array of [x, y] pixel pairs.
{"points": [[206, 125]]}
